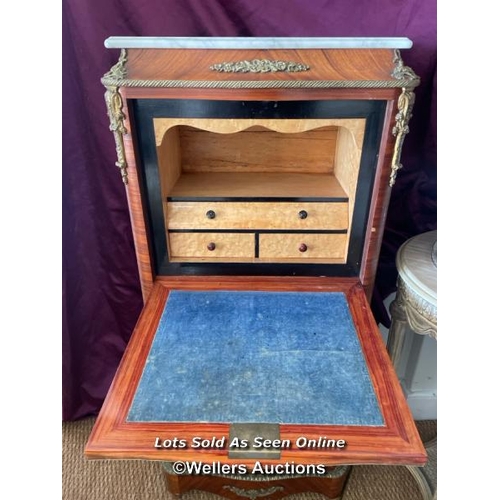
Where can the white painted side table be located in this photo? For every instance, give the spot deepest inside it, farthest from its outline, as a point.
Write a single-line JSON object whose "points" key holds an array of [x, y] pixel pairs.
{"points": [[415, 306]]}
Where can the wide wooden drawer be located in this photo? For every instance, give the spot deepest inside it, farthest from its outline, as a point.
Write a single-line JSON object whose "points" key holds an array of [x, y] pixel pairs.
{"points": [[257, 215], [303, 246], [211, 246]]}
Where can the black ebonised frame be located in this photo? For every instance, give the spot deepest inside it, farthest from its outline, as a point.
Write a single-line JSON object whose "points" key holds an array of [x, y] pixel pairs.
{"points": [[143, 112]]}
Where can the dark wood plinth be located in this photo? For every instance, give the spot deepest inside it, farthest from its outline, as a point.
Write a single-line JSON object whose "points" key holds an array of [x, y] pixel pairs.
{"points": [[275, 487]]}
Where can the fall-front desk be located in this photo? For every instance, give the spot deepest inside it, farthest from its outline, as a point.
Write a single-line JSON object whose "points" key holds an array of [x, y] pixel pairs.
{"points": [[258, 173]]}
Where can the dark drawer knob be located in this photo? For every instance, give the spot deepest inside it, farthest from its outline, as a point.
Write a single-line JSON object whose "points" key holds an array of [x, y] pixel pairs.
{"points": [[303, 248], [302, 214], [211, 246], [210, 214]]}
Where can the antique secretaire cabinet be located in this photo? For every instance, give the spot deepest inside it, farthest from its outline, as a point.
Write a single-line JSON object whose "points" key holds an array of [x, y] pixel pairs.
{"points": [[258, 173]]}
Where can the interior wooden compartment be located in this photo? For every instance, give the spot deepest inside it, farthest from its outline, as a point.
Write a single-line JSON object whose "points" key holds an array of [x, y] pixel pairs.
{"points": [[215, 159], [258, 149], [201, 157]]}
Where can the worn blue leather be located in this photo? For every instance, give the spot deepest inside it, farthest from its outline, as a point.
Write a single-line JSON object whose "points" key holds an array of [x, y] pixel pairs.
{"points": [[271, 357]]}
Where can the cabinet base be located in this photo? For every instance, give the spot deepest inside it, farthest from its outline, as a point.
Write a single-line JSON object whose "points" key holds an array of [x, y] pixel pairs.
{"points": [[268, 487]]}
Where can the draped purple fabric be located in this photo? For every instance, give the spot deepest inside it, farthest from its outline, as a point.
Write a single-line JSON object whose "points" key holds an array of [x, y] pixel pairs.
{"points": [[101, 292]]}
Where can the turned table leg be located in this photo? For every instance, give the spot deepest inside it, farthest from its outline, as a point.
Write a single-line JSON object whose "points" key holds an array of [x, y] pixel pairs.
{"points": [[422, 482], [415, 308], [397, 329]]}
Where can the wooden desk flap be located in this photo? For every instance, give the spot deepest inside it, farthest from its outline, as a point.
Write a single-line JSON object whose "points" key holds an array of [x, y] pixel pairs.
{"points": [[370, 415]]}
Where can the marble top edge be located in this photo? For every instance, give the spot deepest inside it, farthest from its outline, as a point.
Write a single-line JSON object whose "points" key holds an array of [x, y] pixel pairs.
{"points": [[152, 42]]}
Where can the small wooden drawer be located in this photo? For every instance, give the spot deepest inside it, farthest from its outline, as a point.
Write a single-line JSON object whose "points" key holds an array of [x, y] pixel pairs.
{"points": [[211, 246], [257, 215], [303, 246]]}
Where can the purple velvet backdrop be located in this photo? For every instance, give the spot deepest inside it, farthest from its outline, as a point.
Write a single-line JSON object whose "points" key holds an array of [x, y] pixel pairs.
{"points": [[101, 293]]}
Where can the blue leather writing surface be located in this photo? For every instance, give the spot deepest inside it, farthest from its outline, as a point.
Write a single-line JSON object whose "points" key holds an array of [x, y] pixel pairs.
{"points": [[271, 357]]}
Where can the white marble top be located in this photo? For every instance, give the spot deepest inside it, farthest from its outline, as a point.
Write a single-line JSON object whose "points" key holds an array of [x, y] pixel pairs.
{"points": [[417, 265], [160, 42]]}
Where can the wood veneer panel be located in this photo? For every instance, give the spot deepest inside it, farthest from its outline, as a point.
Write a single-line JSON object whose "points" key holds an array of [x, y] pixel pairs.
{"points": [[226, 486], [259, 94], [283, 247], [169, 160], [194, 64], [347, 164], [252, 215], [261, 125], [195, 245], [136, 211], [380, 203], [257, 185], [258, 150], [395, 443]]}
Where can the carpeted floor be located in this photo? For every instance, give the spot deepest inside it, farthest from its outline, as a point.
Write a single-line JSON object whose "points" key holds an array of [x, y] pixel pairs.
{"points": [[140, 480]]}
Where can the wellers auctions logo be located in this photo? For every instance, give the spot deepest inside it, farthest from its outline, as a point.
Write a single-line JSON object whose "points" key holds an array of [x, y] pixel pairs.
{"points": [[200, 468]]}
